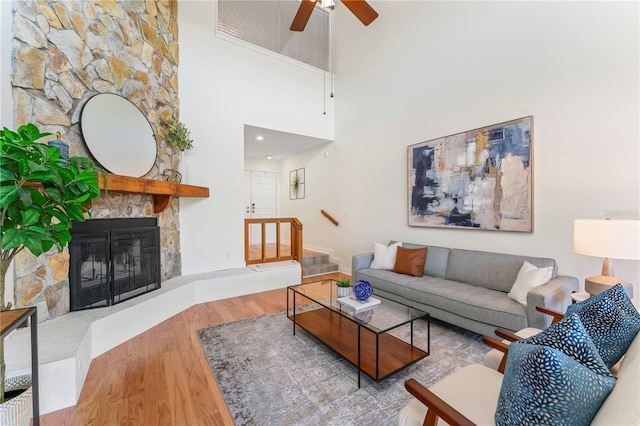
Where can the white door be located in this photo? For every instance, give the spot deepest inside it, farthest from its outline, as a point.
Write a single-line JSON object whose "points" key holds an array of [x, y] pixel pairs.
{"points": [[260, 199]]}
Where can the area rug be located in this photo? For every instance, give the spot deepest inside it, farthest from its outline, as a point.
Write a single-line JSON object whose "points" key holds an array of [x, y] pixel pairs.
{"points": [[268, 376]]}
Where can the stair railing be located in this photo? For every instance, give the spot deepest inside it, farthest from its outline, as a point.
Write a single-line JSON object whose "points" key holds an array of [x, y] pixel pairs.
{"points": [[295, 232], [331, 218]]}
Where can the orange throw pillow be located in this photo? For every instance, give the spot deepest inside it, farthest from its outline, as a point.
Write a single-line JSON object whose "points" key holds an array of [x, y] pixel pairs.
{"points": [[410, 261]]}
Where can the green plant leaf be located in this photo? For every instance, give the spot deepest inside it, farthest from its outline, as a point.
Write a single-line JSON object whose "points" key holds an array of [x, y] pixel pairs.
{"points": [[8, 194], [33, 242], [74, 212], [54, 193], [11, 239], [47, 245], [6, 175], [41, 176], [25, 196], [30, 217]]}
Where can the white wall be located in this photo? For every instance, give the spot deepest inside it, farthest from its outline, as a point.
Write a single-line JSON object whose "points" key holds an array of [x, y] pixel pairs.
{"points": [[222, 87], [429, 69], [421, 71]]}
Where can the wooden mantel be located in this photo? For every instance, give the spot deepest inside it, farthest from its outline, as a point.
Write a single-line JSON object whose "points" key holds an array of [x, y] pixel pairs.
{"points": [[161, 191]]}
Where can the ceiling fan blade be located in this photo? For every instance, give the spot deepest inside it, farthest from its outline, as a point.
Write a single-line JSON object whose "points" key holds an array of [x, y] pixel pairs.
{"points": [[363, 11], [302, 15]]}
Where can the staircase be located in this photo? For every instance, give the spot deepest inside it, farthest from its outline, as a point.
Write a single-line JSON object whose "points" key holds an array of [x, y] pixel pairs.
{"points": [[315, 263]]}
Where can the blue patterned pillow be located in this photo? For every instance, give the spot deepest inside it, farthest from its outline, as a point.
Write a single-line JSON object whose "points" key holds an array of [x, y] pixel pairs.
{"points": [[570, 337], [617, 294], [543, 386], [610, 328]]}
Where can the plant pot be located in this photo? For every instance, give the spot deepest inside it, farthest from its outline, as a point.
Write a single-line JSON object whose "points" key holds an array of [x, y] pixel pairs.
{"points": [[182, 167], [343, 291], [17, 410]]}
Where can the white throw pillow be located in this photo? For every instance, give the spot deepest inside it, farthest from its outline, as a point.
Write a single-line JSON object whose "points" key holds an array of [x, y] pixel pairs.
{"points": [[384, 257], [529, 278]]}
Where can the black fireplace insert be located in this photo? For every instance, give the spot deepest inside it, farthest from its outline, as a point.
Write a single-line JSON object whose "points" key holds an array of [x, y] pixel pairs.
{"points": [[113, 260]]}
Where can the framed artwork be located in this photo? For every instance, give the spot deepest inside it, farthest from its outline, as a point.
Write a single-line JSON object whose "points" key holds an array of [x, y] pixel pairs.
{"points": [[296, 184], [478, 179]]}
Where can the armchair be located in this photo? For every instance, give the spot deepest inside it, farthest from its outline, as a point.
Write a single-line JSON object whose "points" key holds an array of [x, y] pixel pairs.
{"points": [[466, 397], [470, 395]]}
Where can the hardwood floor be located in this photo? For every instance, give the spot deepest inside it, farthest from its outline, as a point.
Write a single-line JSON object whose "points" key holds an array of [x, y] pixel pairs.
{"points": [[161, 377]]}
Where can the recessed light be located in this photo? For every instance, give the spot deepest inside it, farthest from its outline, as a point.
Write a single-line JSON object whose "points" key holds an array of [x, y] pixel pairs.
{"points": [[259, 138], [269, 157]]}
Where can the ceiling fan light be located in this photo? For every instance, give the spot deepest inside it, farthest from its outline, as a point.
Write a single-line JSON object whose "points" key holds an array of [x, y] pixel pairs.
{"points": [[327, 4]]}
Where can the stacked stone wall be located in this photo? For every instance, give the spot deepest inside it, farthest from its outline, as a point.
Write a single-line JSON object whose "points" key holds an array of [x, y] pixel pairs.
{"points": [[65, 52]]}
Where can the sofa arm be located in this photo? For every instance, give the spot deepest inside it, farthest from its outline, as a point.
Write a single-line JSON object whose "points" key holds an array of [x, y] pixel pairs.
{"points": [[556, 295], [360, 261]]}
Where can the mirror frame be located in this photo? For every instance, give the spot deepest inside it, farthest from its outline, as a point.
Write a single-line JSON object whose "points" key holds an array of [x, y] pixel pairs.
{"points": [[118, 135]]}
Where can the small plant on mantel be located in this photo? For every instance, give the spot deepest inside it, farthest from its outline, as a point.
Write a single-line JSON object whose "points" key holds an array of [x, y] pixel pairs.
{"points": [[176, 135], [41, 193]]}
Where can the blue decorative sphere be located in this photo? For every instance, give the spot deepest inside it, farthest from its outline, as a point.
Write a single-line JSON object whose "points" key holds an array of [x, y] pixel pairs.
{"points": [[362, 290]]}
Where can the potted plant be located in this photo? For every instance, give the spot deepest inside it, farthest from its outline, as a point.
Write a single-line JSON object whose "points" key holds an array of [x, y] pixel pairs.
{"points": [[176, 135], [41, 193], [343, 287]]}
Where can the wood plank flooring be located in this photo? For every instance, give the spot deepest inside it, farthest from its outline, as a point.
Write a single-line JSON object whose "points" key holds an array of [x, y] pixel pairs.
{"points": [[161, 377]]}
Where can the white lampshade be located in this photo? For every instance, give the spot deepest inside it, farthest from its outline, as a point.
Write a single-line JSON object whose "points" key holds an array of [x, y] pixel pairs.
{"points": [[610, 238]]}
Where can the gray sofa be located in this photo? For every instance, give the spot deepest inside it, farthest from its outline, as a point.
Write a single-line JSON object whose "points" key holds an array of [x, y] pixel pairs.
{"points": [[469, 288]]}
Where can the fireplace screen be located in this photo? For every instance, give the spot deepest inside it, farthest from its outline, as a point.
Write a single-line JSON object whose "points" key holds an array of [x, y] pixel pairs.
{"points": [[113, 260]]}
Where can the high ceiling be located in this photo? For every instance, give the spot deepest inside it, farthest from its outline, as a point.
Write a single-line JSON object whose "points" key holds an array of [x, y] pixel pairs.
{"points": [[279, 145]]}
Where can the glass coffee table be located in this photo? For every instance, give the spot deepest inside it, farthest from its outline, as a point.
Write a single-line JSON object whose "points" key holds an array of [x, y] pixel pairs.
{"points": [[363, 336]]}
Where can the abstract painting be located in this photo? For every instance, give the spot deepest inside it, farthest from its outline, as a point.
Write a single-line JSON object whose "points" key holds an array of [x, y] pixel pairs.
{"points": [[479, 179]]}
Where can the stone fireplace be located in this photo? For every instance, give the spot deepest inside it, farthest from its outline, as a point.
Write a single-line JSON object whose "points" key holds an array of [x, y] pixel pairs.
{"points": [[63, 53], [113, 260]]}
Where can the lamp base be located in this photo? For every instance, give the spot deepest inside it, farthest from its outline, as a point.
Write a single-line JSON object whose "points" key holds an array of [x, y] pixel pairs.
{"points": [[599, 283]]}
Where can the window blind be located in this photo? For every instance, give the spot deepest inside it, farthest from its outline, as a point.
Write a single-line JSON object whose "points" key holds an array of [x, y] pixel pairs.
{"points": [[265, 23]]}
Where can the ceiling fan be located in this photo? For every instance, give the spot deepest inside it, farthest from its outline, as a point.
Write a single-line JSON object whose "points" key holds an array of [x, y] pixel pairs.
{"points": [[360, 8]]}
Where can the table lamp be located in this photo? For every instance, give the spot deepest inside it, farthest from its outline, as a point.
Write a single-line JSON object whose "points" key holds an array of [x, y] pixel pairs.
{"points": [[609, 239]]}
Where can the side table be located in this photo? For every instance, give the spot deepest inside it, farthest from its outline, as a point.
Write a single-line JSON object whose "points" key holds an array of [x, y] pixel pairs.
{"points": [[580, 296], [9, 321]]}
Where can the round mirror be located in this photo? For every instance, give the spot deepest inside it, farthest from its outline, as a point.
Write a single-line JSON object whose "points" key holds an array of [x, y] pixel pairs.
{"points": [[118, 135]]}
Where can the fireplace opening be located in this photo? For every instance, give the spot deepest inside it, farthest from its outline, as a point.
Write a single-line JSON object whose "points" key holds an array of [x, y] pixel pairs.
{"points": [[113, 260]]}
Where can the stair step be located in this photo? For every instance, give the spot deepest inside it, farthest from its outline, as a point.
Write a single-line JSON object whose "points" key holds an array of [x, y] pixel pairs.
{"points": [[315, 260], [310, 257], [319, 268]]}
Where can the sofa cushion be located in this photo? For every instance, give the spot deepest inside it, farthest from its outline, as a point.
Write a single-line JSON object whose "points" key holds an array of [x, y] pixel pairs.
{"points": [[570, 337], [542, 385], [529, 277], [384, 257], [617, 294], [437, 258], [495, 271], [410, 261], [610, 328], [477, 303]]}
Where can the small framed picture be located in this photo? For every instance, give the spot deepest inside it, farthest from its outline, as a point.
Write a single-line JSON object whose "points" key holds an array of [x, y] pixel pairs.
{"points": [[296, 184]]}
